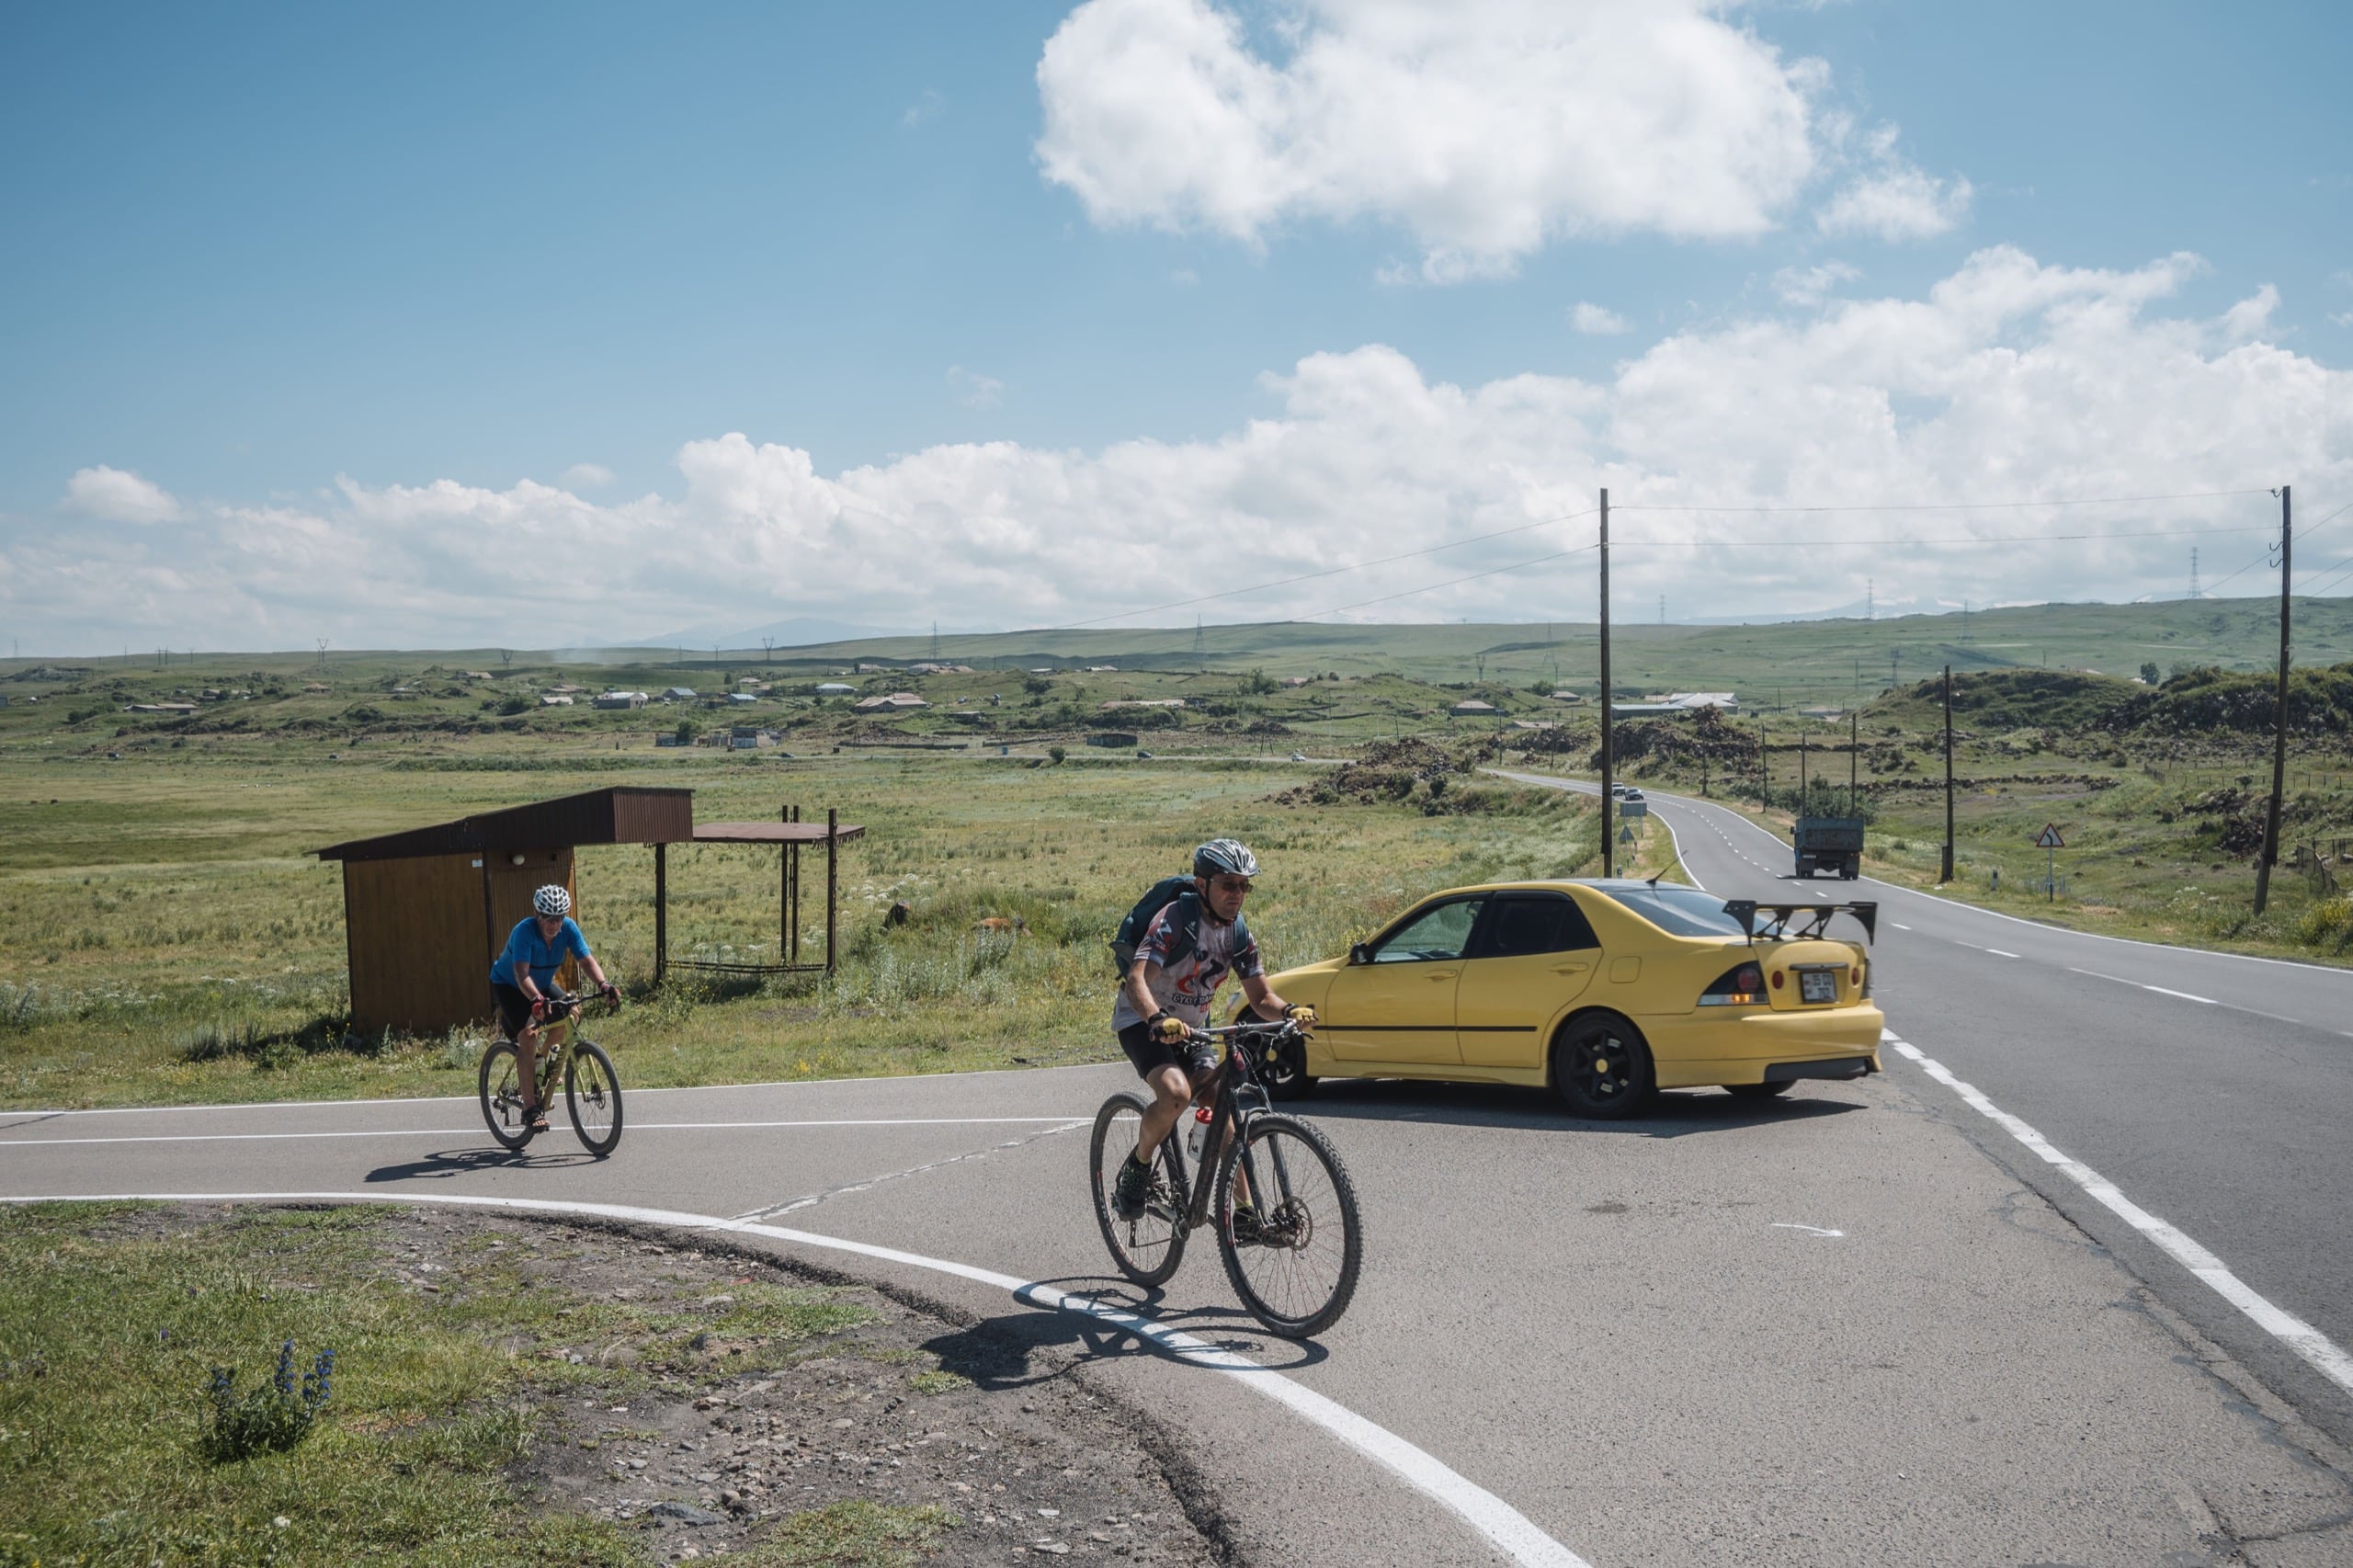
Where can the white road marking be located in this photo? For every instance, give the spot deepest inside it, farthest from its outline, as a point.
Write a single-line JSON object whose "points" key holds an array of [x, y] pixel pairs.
{"points": [[1899, 924], [2000, 954], [461, 1131], [2185, 996], [1810, 1229], [1501, 1524], [2316, 1348]]}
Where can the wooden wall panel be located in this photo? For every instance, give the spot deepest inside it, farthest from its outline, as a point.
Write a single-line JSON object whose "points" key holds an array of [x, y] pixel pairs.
{"points": [[416, 940]]}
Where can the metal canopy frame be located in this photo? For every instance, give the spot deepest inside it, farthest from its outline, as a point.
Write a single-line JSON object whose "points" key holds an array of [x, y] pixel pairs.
{"points": [[789, 832]]}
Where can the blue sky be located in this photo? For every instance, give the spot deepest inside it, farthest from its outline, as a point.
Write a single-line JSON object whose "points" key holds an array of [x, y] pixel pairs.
{"points": [[285, 282]]}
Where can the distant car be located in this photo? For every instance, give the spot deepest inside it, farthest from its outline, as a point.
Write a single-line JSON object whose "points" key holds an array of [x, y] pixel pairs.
{"points": [[1629, 793], [1298, 756], [1142, 756], [1603, 991], [1617, 789]]}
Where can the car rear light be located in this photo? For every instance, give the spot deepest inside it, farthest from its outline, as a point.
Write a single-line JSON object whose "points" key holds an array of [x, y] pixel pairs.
{"points": [[1739, 986], [1777, 980]]}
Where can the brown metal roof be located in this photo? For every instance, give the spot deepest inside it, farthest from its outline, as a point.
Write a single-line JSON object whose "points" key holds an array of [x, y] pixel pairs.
{"points": [[620, 815], [771, 833]]}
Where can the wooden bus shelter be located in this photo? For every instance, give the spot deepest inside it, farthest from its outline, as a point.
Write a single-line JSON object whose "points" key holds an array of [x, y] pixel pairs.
{"points": [[426, 910]]}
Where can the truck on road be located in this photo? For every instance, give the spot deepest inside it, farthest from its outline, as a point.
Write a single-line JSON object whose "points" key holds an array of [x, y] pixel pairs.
{"points": [[1829, 844]]}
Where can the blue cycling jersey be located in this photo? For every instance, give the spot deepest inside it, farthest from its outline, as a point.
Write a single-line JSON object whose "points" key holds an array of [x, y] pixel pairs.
{"points": [[538, 957]]}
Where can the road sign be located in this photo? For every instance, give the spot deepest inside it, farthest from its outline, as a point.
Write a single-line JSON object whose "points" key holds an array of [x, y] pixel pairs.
{"points": [[1625, 836], [2050, 838]]}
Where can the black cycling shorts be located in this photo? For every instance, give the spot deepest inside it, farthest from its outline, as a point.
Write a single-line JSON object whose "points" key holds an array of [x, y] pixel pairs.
{"points": [[1150, 1055], [514, 1007]]}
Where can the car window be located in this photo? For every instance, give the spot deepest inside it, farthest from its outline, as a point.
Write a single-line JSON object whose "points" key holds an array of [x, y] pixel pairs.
{"points": [[1677, 911], [1520, 924], [1439, 933]]}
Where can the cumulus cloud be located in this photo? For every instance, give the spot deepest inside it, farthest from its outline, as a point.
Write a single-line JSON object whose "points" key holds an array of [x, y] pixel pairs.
{"points": [[1595, 321], [2007, 381], [586, 476], [113, 495], [1893, 200], [1486, 130]]}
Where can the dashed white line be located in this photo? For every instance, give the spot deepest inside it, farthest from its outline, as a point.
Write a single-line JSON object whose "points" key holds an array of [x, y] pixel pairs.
{"points": [[1506, 1527], [1899, 924], [2185, 996], [2322, 1354], [2000, 954]]}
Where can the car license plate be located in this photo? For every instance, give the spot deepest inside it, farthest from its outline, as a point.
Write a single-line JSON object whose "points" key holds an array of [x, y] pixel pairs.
{"points": [[1817, 986]]}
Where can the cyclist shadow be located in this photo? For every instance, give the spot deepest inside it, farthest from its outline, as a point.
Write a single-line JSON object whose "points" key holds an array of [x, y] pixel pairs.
{"points": [[1674, 1113], [447, 1162], [1017, 1350]]}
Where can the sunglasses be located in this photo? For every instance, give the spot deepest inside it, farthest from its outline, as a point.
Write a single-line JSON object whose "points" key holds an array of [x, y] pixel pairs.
{"points": [[1230, 884]]}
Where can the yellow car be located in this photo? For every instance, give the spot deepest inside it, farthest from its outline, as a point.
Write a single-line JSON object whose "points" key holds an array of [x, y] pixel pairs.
{"points": [[1604, 990]]}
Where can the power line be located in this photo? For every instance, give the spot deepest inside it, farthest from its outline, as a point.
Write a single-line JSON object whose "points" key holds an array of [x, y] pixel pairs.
{"points": [[1959, 506], [2266, 557], [1433, 587], [2037, 538]]}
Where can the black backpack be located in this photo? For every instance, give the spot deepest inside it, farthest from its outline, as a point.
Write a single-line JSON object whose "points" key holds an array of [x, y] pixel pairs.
{"points": [[1178, 890]]}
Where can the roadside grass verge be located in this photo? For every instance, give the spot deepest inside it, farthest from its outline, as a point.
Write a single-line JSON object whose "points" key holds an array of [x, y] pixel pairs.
{"points": [[111, 1319]]}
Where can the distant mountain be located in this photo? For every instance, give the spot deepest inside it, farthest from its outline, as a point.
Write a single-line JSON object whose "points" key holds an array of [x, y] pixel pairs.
{"points": [[799, 632]]}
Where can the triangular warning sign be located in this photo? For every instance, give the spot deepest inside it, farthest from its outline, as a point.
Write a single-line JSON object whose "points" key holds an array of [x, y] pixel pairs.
{"points": [[1625, 836], [2050, 838]]}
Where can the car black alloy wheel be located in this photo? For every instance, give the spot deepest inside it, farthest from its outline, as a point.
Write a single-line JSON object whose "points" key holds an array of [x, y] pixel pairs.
{"points": [[1147, 1248], [501, 1085], [1602, 1067]]}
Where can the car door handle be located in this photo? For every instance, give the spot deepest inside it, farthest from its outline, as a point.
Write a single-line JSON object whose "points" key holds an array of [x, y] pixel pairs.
{"points": [[1443, 974], [1571, 967]]}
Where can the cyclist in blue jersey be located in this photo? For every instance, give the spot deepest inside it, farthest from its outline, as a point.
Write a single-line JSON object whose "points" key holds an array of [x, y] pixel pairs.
{"points": [[525, 971]]}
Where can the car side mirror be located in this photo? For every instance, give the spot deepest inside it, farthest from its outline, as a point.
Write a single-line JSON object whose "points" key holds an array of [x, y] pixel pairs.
{"points": [[1360, 953]]}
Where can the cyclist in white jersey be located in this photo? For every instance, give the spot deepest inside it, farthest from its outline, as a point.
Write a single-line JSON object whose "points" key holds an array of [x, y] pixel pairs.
{"points": [[1196, 940]]}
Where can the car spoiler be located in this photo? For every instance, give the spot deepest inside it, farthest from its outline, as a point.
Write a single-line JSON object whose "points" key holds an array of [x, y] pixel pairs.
{"points": [[1811, 919]]}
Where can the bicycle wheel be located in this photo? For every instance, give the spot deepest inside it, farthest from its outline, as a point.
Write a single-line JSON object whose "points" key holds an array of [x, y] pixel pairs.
{"points": [[1298, 1269], [1148, 1247], [502, 1095], [592, 1093]]}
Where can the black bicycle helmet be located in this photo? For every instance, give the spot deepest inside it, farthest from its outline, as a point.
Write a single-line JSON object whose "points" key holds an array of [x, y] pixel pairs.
{"points": [[1224, 857]]}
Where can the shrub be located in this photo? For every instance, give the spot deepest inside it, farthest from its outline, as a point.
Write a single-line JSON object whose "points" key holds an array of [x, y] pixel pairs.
{"points": [[267, 1420]]}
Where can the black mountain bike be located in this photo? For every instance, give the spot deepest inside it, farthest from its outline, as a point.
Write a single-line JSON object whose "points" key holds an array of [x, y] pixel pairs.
{"points": [[592, 1090], [1295, 1264]]}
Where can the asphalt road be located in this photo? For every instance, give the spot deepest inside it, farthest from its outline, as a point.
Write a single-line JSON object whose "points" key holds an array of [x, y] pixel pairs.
{"points": [[1849, 1327], [2211, 1089]]}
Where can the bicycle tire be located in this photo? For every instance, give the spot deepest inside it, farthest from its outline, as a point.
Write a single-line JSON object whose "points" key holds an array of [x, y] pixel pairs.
{"points": [[1299, 1285], [1147, 1249], [592, 1095], [500, 1084]]}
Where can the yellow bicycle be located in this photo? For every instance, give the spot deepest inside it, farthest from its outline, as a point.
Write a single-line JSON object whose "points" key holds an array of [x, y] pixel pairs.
{"points": [[592, 1090]]}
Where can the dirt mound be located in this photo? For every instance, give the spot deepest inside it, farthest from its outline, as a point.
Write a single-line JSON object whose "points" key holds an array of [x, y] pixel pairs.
{"points": [[1389, 770]]}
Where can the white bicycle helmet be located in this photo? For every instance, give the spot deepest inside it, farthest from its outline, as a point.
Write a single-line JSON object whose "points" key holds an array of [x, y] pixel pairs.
{"points": [[1226, 856], [552, 900]]}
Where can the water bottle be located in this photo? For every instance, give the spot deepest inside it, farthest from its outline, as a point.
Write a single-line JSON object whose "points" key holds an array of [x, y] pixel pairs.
{"points": [[1193, 1137]]}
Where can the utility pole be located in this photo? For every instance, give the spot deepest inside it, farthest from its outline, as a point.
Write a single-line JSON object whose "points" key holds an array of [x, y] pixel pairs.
{"points": [[2280, 725], [2193, 572], [1608, 847], [1871, 599], [1763, 768], [1892, 655], [1854, 753], [1945, 872], [1804, 805]]}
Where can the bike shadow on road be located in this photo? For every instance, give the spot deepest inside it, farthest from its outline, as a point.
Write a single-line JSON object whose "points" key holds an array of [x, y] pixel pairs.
{"points": [[1016, 1350], [447, 1162], [1675, 1113]]}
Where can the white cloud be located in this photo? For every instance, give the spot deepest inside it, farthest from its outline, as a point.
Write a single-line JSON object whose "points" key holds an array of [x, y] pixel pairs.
{"points": [[113, 495], [586, 476], [2251, 317], [974, 389], [1485, 130], [1893, 200], [1807, 287], [2006, 380], [1596, 322]]}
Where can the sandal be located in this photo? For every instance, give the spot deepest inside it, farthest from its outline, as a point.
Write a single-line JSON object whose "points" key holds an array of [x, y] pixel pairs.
{"points": [[538, 1118]]}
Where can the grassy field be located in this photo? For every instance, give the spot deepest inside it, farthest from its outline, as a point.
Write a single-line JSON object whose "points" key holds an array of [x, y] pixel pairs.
{"points": [[168, 941], [165, 936]]}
